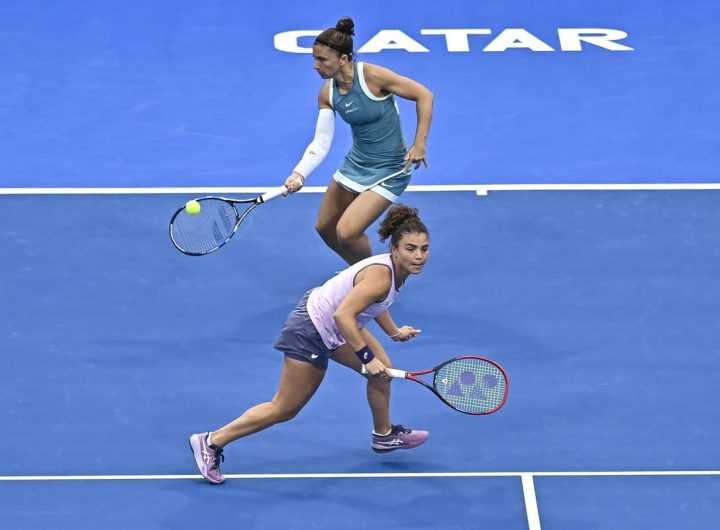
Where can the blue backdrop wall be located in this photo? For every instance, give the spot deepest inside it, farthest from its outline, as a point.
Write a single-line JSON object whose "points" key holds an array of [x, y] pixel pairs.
{"points": [[184, 93]]}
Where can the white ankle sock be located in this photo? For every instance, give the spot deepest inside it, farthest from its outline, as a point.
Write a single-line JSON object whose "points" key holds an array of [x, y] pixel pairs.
{"points": [[208, 438], [378, 434]]}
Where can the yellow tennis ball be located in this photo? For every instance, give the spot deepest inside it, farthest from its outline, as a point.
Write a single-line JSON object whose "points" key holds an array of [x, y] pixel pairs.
{"points": [[193, 207]]}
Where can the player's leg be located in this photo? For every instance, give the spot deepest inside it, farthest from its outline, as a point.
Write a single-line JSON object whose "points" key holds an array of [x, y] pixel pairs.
{"points": [[334, 203], [386, 436], [343, 218], [352, 241], [353, 244], [298, 382], [378, 389]]}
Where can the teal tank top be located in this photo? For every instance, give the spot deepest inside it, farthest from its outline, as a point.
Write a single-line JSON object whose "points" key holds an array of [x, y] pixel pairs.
{"points": [[378, 143]]}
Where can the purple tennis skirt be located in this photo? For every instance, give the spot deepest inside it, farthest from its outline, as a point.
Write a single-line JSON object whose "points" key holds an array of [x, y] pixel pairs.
{"points": [[300, 339]]}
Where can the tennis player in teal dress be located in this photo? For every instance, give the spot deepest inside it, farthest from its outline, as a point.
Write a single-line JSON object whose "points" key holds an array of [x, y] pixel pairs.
{"points": [[378, 167]]}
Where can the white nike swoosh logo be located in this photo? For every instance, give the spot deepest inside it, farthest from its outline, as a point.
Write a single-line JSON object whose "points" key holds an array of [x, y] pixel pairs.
{"points": [[314, 356], [348, 103]]}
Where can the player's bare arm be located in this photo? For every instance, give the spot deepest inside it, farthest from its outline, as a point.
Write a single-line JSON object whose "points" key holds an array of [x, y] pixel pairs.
{"points": [[392, 330], [383, 81], [371, 285]]}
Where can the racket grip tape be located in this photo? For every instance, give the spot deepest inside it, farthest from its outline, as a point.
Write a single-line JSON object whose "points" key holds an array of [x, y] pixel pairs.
{"points": [[396, 374], [274, 192]]}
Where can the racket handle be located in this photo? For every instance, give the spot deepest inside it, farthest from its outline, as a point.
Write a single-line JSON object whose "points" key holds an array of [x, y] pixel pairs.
{"points": [[396, 374], [273, 193]]}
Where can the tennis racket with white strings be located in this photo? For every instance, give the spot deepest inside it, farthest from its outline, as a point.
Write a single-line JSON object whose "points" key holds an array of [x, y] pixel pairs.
{"points": [[214, 225], [468, 384]]}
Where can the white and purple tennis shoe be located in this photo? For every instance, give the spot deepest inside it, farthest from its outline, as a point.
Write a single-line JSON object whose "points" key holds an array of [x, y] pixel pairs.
{"points": [[207, 458], [398, 438]]}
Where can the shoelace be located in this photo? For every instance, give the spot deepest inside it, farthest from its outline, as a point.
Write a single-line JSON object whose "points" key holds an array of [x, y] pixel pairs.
{"points": [[397, 429], [218, 453]]}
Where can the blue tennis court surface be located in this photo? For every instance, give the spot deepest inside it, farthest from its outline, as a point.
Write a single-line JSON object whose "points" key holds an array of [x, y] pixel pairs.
{"points": [[599, 304], [602, 304]]}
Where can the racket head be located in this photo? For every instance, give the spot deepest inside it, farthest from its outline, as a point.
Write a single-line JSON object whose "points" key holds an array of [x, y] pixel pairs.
{"points": [[206, 231], [471, 384]]}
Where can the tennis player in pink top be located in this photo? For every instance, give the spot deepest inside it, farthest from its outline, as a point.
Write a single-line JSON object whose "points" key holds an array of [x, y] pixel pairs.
{"points": [[329, 323]]}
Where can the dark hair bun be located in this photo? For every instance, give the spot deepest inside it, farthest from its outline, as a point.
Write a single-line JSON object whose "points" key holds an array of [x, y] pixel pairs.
{"points": [[398, 220], [346, 25]]}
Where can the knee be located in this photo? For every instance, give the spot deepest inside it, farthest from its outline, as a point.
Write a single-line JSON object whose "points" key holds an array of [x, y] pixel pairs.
{"points": [[283, 413], [346, 236], [326, 231]]}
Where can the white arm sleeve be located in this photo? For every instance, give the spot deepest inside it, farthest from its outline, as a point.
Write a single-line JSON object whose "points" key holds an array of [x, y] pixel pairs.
{"points": [[319, 147]]}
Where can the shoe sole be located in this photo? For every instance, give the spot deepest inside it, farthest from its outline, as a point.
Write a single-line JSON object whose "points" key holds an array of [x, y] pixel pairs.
{"points": [[199, 464], [384, 450], [388, 450]]}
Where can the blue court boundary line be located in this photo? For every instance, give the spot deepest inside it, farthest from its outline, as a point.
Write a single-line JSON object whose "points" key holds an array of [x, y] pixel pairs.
{"points": [[479, 189]]}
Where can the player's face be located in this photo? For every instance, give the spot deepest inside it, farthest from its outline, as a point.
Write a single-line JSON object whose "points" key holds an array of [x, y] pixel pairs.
{"points": [[326, 61], [412, 252]]}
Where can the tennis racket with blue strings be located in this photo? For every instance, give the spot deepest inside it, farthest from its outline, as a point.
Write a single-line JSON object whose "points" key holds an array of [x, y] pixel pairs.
{"points": [[208, 230]]}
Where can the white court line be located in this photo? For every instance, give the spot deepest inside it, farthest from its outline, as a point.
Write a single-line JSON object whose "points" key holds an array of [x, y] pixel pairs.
{"points": [[255, 476], [528, 485], [479, 189], [531, 507], [485, 189]]}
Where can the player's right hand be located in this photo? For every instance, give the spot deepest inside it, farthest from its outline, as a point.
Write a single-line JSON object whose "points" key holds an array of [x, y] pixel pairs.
{"points": [[294, 182], [376, 368]]}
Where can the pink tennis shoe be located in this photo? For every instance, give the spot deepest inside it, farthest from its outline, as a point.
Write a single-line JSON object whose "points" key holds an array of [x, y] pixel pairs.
{"points": [[398, 438], [207, 458]]}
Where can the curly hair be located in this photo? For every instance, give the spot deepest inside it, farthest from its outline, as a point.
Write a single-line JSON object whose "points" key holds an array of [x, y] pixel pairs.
{"points": [[400, 220]]}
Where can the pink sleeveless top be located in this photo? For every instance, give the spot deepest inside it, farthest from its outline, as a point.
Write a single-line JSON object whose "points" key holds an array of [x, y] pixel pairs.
{"points": [[324, 300]]}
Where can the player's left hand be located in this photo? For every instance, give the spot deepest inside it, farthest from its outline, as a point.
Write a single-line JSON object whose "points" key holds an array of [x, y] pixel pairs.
{"points": [[405, 333], [415, 155]]}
